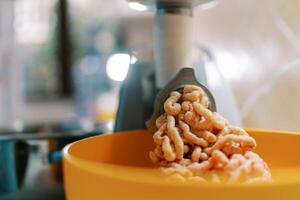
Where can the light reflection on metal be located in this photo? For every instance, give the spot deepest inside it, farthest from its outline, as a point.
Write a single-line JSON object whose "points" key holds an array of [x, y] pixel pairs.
{"points": [[137, 6], [117, 66]]}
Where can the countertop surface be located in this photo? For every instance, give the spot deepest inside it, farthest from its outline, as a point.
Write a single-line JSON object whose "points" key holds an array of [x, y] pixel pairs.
{"points": [[50, 193]]}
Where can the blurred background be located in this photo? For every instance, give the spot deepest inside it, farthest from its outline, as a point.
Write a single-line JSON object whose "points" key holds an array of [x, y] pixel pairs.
{"points": [[62, 64]]}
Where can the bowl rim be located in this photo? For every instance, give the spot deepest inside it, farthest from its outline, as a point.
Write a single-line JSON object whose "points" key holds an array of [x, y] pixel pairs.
{"points": [[133, 174]]}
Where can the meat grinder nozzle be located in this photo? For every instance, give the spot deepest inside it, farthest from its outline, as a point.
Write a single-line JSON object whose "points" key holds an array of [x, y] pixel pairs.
{"points": [[186, 76]]}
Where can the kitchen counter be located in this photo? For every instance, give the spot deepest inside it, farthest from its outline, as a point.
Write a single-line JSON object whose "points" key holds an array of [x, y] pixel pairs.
{"points": [[47, 193]]}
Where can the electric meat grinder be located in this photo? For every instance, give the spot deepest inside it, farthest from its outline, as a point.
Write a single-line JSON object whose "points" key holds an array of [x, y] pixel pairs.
{"points": [[173, 44]]}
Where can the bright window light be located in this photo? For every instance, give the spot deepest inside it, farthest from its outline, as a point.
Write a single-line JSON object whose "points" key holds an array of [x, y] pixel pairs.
{"points": [[117, 66], [235, 66], [229, 66], [137, 6], [32, 21]]}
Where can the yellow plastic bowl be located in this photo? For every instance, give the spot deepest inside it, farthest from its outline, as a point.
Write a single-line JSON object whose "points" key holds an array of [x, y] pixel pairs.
{"points": [[117, 166]]}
